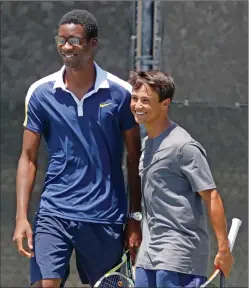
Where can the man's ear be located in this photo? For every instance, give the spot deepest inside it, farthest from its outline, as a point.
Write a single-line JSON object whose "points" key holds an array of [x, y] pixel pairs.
{"points": [[95, 43], [166, 103]]}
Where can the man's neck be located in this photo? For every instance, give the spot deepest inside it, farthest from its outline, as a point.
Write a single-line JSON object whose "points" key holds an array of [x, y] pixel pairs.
{"points": [[157, 128], [80, 79]]}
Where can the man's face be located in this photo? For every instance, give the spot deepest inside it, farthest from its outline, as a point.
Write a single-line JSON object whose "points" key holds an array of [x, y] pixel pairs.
{"points": [[146, 107], [73, 46]]}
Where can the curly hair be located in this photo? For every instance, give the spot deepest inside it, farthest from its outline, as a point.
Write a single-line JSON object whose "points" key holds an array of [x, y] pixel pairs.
{"points": [[84, 18]]}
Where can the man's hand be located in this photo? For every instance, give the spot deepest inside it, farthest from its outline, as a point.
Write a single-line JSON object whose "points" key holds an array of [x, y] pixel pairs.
{"points": [[133, 237], [23, 230], [224, 261]]}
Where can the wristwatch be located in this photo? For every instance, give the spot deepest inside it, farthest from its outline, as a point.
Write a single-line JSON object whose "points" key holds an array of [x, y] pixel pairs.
{"points": [[135, 215]]}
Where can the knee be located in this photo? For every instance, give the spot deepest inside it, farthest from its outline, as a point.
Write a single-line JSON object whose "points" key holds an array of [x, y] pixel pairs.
{"points": [[47, 283]]}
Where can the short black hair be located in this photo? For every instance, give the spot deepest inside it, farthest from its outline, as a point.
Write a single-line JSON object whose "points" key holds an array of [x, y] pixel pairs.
{"points": [[84, 18], [162, 83]]}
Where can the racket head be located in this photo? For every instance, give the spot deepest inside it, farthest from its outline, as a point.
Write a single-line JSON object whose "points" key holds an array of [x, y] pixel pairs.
{"points": [[211, 285], [114, 280], [209, 281]]}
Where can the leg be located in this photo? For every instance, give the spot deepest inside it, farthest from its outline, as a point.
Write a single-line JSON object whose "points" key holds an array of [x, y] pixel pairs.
{"points": [[48, 283], [52, 252], [98, 248], [145, 278]]}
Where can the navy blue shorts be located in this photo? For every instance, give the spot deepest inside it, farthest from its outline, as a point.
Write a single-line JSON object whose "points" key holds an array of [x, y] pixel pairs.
{"points": [[98, 248], [165, 278]]}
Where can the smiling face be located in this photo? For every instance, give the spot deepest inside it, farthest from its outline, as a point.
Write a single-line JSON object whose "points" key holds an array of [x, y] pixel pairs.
{"points": [[146, 107], [73, 46]]}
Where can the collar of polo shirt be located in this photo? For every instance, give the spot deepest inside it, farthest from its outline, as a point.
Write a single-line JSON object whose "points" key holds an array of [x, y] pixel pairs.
{"points": [[101, 79]]}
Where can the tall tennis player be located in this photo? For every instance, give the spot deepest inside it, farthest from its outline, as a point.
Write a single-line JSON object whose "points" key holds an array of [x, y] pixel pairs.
{"points": [[83, 113]]}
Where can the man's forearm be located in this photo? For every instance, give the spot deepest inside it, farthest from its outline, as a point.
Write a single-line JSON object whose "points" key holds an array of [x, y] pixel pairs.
{"points": [[25, 179], [134, 184], [218, 220]]}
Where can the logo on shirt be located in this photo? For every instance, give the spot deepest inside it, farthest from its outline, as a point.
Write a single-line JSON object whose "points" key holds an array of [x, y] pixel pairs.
{"points": [[104, 104]]}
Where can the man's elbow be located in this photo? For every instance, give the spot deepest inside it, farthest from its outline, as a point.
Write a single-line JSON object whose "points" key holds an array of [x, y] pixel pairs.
{"points": [[210, 195], [214, 195], [27, 160]]}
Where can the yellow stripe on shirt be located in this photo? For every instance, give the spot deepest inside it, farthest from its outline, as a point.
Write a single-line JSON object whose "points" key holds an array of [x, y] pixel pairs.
{"points": [[26, 113]]}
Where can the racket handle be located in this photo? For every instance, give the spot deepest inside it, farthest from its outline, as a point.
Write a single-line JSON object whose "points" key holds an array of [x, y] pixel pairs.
{"points": [[129, 266], [234, 232], [222, 280]]}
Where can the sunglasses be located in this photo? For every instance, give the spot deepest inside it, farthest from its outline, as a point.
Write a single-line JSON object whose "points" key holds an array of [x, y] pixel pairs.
{"points": [[73, 41]]}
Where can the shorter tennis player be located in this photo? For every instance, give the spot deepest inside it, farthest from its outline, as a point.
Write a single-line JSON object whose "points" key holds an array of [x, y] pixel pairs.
{"points": [[176, 180]]}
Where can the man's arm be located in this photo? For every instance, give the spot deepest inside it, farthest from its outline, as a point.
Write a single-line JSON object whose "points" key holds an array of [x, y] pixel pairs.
{"points": [[224, 259], [194, 165], [133, 147], [26, 173], [133, 228]]}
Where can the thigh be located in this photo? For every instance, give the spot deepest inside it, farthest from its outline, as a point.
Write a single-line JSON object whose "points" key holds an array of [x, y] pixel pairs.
{"points": [[145, 278], [98, 248], [52, 251], [169, 279]]}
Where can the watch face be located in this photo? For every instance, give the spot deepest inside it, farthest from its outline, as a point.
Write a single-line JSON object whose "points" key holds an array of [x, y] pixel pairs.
{"points": [[137, 216]]}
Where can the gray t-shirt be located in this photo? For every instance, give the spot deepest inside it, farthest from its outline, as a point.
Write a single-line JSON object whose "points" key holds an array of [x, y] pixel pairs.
{"points": [[173, 168]]}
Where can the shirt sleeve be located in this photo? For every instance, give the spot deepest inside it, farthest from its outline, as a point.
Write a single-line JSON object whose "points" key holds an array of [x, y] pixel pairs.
{"points": [[194, 166], [34, 114], [126, 117]]}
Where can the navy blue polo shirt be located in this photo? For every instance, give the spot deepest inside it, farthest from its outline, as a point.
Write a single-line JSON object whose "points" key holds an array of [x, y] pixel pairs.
{"points": [[84, 179]]}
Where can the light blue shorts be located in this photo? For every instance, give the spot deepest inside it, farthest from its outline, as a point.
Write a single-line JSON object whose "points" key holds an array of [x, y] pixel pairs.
{"points": [[165, 278]]}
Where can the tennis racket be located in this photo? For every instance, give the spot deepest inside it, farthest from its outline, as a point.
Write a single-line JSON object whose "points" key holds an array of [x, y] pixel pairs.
{"points": [[116, 279], [231, 237]]}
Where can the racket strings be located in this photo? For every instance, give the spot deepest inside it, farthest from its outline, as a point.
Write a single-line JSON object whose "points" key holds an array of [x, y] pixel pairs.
{"points": [[114, 281]]}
